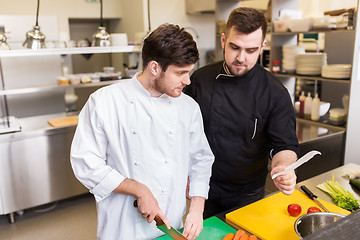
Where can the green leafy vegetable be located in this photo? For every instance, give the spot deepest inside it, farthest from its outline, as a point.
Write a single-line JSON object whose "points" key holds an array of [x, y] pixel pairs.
{"points": [[343, 198]]}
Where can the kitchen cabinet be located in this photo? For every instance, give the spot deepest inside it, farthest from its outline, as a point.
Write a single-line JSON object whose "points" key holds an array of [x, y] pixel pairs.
{"points": [[339, 50], [34, 164]]}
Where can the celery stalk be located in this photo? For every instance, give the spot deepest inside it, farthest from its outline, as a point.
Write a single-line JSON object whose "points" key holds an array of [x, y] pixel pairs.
{"points": [[342, 198]]}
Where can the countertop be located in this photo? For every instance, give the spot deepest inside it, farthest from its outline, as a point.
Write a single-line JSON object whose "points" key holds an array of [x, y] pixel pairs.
{"points": [[338, 173]]}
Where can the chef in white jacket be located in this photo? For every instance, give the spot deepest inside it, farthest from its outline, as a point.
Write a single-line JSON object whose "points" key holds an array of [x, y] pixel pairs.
{"points": [[142, 139]]}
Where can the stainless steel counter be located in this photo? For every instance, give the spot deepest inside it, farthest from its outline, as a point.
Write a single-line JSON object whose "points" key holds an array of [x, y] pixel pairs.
{"points": [[34, 165], [338, 173]]}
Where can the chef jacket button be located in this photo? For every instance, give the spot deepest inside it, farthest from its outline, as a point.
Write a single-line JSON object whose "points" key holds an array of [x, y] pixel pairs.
{"points": [[163, 191], [170, 101], [171, 133], [132, 102], [166, 161], [136, 163], [133, 132]]}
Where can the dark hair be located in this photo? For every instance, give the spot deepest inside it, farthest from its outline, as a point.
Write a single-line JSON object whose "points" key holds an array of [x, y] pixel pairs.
{"points": [[170, 45], [246, 20]]}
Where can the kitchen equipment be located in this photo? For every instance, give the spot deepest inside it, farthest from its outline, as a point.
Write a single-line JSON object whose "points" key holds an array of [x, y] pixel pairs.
{"points": [[337, 116], [214, 228], [3, 44], [300, 25], [63, 122], [338, 71], [268, 218], [9, 124], [310, 63], [289, 53], [101, 37], [312, 196], [172, 232], [298, 163], [324, 107], [34, 38], [309, 223]]}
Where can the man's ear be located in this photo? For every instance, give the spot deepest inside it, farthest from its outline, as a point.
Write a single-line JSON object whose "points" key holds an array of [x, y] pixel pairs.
{"points": [[263, 46], [223, 40], [154, 68]]}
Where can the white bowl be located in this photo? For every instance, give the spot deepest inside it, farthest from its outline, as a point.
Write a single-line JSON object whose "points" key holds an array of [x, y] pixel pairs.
{"points": [[324, 107], [300, 25]]}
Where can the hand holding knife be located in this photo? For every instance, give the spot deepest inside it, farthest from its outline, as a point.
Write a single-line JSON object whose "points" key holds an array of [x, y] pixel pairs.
{"points": [[297, 164], [172, 232]]}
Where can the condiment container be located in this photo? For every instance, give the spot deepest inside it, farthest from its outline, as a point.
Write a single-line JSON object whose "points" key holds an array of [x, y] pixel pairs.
{"points": [[337, 116], [307, 107], [315, 108], [302, 104]]}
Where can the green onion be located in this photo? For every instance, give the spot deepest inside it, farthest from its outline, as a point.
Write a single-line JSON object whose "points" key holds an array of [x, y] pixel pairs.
{"points": [[342, 198]]}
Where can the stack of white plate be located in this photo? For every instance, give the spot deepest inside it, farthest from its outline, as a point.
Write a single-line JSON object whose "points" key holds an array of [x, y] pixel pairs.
{"points": [[310, 63], [339, 71], [289, 56]]}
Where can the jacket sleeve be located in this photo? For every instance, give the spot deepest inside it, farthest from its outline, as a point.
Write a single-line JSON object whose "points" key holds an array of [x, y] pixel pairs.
{"points": [[88, 152], [282, 126], [201, 157]]}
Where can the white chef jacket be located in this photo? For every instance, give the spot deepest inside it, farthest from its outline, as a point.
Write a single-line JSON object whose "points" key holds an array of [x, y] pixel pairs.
{"points": [[123, 132]]}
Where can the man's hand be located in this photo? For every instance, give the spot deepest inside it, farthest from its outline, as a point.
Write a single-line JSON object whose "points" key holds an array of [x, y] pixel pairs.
{"points": [[146, 203], [194, 220], [285, 183]]}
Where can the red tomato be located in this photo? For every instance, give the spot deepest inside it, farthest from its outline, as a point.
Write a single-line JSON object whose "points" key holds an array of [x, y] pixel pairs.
{"points": [[313, 209], [294, 209]]}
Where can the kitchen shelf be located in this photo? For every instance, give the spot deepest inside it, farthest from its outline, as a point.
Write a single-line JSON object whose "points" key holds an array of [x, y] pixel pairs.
{"points": [[54, 87], [323, 122], [313, 77], [67, 51], [313, 32]]}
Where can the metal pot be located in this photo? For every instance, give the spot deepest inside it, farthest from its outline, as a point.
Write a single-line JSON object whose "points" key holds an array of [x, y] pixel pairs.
{"points": [[309, 223]]}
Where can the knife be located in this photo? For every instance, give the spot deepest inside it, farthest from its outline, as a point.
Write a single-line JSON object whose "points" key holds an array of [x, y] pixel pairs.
{"points": [[172, 232], [312, 196], [298, 163]]}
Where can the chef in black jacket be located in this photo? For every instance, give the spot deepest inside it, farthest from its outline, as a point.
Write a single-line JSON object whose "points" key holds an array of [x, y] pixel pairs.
{"points": [[248, 117]]}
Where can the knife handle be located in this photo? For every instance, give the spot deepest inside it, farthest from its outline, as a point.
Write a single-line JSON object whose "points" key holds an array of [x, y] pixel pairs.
{"points": [[157, 218], [308, 192]]}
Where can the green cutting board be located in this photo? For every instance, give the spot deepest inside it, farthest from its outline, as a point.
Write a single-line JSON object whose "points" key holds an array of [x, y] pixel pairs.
{"points": [[214, 229]]}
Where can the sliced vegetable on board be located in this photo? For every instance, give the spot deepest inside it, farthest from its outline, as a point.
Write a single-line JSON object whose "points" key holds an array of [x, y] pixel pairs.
{"points": [[342, 198]]}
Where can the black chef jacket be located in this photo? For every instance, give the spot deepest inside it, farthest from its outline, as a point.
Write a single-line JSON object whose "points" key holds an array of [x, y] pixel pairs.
{"points": [[247, 119]]}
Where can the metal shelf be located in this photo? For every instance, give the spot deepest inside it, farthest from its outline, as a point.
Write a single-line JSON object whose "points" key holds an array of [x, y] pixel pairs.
{"points": [[313, 32], [313, 78], [67, 51], [54, 87]]}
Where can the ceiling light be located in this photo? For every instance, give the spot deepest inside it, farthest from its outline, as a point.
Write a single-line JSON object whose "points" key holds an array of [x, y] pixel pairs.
{"points": [[34, 38]]}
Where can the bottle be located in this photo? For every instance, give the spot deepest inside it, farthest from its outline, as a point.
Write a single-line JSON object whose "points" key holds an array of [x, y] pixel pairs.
{"points": [[315, 108], [276, 66], [302, 104], [307, 107]]}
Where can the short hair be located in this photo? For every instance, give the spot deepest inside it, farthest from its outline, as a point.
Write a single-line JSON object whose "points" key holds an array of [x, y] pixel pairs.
{"points": [[169, 45], [246, 20]]}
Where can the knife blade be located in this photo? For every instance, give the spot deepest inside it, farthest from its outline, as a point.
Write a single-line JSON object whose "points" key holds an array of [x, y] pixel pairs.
{"points": [[298, 163], [172, 232]]}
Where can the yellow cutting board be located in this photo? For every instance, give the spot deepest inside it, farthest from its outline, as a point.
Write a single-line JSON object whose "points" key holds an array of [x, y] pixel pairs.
{"points": [[269, 219], [63, 122]]}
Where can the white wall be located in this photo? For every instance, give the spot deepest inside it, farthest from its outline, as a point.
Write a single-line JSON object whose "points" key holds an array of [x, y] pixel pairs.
{"points": [[352, 151], [162, 11]]}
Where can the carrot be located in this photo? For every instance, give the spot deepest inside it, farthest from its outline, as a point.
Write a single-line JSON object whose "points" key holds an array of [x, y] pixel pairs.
{"points": [[238, 234], [253, 237], [229, 236], [244, 237]]}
